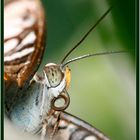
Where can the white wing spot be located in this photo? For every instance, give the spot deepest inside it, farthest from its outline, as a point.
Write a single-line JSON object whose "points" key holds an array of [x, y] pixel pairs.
{"points": [[9, 45], [30, 38], [90, 138], [19, 54]]}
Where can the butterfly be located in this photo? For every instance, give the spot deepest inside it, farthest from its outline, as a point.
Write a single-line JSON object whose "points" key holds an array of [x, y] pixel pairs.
{"points": [[31, 100]]}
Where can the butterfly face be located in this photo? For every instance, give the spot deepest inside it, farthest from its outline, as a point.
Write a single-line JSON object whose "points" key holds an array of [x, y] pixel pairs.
{"points": [[54, 78], [53, 75]]}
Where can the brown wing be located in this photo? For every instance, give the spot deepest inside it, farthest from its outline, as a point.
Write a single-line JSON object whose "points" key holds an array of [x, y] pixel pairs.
{"points": [[24, 23], [73, 128]]}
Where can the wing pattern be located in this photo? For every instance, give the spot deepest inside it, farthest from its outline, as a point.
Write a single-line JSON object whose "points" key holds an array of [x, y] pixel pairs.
{"points": [[23, 40], [73, 128]]}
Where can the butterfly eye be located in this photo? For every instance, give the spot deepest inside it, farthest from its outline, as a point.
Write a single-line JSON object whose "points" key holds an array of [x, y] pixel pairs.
{"points": [[61, 102], [54, 74]]}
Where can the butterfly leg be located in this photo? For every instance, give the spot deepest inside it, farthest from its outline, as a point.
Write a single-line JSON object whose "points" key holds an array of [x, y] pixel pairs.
{"points": [[37, 78], [45, 125], [55, 126], [44, 129]]}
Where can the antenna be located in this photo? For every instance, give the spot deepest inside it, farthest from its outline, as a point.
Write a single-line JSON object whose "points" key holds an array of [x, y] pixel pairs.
{"points": [[91, 55], [84, 37]]}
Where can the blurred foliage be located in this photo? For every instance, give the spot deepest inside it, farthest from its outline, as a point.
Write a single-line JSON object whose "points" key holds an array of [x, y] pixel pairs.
{"points": [[124, 16], [102, 88]]}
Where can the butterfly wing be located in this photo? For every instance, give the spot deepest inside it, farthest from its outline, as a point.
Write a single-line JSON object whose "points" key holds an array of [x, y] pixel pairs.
{"points": [[24, 23], [72, 128]]}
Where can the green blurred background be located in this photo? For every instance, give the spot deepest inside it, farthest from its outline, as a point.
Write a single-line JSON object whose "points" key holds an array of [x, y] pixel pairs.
{"points": [[102, 89]]}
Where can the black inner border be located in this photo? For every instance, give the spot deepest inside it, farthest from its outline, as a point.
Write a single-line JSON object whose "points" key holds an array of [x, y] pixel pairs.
{"points": [[2, 69], [137, 65]]}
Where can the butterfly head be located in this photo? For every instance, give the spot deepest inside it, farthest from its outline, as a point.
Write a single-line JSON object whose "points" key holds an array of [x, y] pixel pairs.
{"points": [[57, 80], [55, 75]]}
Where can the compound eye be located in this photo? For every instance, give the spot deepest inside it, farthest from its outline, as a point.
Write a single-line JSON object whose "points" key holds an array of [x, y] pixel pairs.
{"points": [[54, 75]]}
